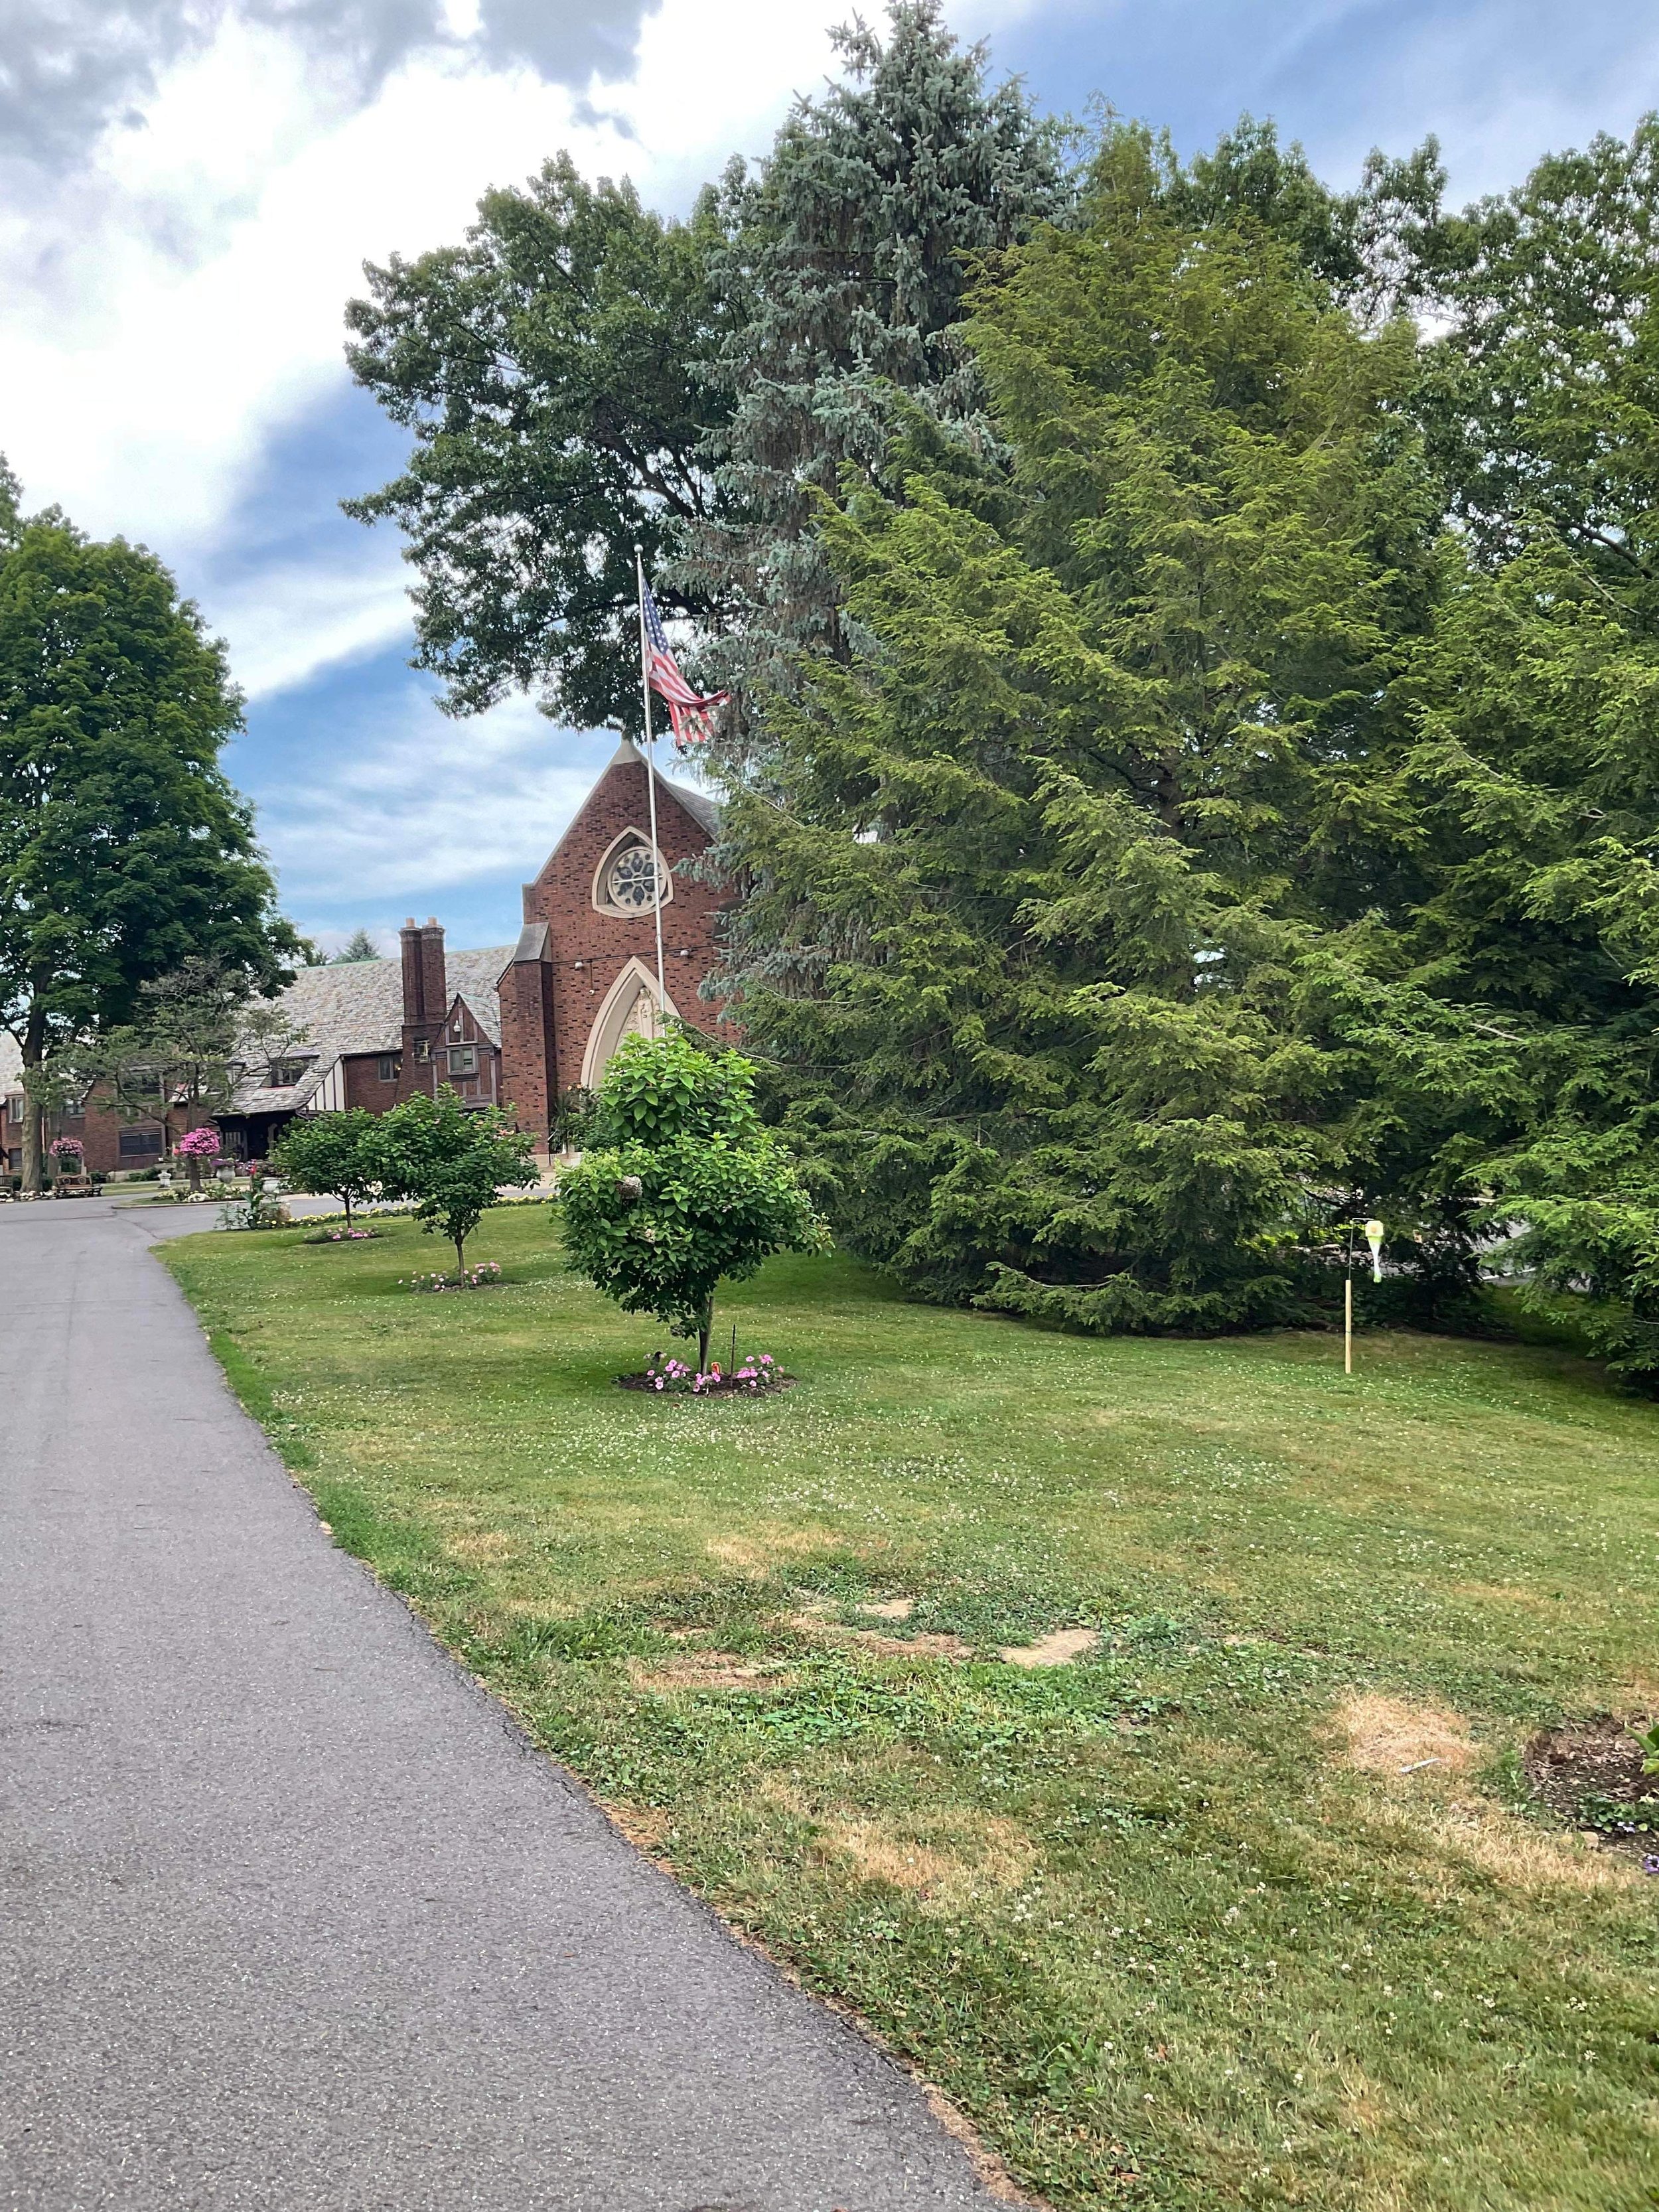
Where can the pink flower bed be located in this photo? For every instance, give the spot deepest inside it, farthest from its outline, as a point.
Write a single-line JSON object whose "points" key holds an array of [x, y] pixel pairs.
{"points": [[755, 1373]]}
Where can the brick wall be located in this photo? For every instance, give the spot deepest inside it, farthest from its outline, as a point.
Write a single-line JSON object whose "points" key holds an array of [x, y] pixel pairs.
{"points": [[591, 949], [529, 1046], [363, 1086]]}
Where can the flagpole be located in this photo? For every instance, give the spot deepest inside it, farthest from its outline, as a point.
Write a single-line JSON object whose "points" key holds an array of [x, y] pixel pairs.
{"points": [[651, 779]]}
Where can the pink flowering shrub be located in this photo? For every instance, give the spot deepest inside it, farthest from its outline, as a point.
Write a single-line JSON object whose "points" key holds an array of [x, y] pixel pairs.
{"points": [[67, 1148], [756, 1372], [199, 1145]]}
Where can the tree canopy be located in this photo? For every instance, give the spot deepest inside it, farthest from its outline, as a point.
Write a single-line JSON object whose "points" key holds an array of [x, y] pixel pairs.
{"points": [[553, 369], [1192, 631], [452, 1159], [124, 852]]}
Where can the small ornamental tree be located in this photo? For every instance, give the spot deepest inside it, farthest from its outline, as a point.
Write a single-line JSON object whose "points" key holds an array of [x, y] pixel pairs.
{"points": [[683, 1186], [450, 1158], [195, 1148], [330, 1154]]}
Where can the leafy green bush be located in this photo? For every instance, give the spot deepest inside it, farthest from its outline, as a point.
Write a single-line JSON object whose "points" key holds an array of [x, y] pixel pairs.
{"points": [[452, 1159], [683, 1186], [330, 1154]]}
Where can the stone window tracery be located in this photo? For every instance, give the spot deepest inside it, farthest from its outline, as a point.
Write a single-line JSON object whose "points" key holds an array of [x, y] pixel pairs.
{"points": [[631, 878]]}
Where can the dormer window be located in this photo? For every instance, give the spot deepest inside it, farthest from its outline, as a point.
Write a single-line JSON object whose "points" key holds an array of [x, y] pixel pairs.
{"points": [[284, 1073], [631, 878]]}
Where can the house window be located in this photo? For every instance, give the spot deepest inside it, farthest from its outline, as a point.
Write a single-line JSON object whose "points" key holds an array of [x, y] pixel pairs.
{"points": [[15, 1107], [284, 1073], [388, 1070], [422, 1049], [140, 1144], [463, 1059]]}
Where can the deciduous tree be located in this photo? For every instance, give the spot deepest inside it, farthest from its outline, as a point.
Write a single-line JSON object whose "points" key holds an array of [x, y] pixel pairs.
{"points": [[333, 1154], [124, 850], [452, 1160], [552, 369], [682, 1188]]}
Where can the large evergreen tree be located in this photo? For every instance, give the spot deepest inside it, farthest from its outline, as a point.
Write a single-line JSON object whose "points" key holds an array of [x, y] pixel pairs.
{"points": [[848, 252], [1534, 794], [124, 850], [1034, 891]]}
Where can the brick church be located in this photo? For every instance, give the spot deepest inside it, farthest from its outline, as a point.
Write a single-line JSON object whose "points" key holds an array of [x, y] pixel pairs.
{"points": [[514, 1025]]}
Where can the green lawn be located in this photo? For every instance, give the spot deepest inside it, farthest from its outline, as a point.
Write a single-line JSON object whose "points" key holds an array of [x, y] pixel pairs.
{"points": [[1169, 1922]]}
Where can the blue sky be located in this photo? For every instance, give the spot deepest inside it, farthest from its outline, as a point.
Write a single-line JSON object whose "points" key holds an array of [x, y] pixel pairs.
{"points": [[188, 189]]}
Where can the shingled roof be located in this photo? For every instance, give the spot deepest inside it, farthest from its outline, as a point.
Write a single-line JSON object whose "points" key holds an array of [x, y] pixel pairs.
{"points": [[354, 1006], [357, 1007]]}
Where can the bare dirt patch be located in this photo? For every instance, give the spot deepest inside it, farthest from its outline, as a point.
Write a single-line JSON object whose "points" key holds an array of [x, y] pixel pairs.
{"points": [[1058, 1649], [890, 1608], [1386, 1735], [872, 1640], [1590, 1773], [708, 1670]]}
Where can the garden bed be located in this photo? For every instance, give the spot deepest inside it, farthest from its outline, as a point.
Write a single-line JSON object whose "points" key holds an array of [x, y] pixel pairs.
{"points": [[1590, 1773], [721, 1386]]}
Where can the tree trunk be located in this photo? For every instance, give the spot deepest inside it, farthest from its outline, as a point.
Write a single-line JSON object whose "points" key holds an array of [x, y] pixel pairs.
{"points": [[347, 1196], [461, 1257], [34, 1051], [705, 1330]]}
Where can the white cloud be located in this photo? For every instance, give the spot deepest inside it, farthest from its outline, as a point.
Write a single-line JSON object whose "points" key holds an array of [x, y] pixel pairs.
{"points": [[180, 298], [285, 623], [183, 293], [425, 801]]}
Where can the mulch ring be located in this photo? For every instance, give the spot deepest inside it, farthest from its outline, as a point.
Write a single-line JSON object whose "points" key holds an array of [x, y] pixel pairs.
{"points": [[1590, 1773], [723, 1389]]}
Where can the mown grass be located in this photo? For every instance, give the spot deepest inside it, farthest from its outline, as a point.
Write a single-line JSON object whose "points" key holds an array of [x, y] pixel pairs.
{"points": [[1169, 1922]]}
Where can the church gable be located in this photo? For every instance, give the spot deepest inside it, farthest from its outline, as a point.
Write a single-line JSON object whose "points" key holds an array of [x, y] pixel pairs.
{"points": [[585, 973]]}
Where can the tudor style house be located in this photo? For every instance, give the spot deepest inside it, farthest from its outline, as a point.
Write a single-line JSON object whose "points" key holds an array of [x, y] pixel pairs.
{"points": [[514, 1025]]}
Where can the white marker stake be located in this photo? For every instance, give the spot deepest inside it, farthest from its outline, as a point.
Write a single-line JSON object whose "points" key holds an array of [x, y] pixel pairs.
{"points": [[1347, 1325]]}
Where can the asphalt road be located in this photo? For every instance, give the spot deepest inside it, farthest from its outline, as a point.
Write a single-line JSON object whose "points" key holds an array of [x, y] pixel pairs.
{"points": [[291, 1917]]}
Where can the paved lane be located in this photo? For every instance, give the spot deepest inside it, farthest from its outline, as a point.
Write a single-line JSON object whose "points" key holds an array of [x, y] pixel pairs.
{"points": [[290, 1917]]}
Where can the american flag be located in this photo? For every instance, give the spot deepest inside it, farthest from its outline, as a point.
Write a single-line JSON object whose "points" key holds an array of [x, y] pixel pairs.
{"points": [[688, 710]]}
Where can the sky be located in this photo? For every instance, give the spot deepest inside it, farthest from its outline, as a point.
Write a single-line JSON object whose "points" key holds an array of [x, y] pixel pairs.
{"points": [[189, 188]]}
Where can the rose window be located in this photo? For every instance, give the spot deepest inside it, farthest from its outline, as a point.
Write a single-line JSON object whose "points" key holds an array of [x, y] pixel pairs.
{"points": [[631, 882]]}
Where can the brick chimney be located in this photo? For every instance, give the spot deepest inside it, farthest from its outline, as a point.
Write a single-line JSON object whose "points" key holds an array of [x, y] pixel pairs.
{"points": [[426, 1002]]}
